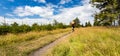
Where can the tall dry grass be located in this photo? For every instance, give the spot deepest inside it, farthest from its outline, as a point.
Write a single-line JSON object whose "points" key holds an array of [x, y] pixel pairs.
{"points": [[24, 43], [91, 41]]}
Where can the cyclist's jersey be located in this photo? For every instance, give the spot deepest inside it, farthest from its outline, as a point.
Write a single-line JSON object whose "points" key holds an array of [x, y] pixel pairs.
{"points": [[72, 23]]}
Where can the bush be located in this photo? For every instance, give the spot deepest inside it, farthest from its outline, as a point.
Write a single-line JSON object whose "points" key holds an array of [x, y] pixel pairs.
{"points": [[4, 30], [25, 28], [15, 28], [35, 27]]}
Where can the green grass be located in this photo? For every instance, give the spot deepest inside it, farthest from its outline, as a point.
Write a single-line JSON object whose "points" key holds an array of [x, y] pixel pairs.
{"points": [[91, 41], [25, 43]]}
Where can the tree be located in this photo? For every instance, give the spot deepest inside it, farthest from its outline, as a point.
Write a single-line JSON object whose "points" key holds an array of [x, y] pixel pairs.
{"points": [[96, 22], [77, 22], [49, 27], [36, 27], [55, 22], [88, 24], [4, 29], [109, 11], [25, 28], [119, 19], [82, 25], [15, 28], [60, 25], [14, 24]]}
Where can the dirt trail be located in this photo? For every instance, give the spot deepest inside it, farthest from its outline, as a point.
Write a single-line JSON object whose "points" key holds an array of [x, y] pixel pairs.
{"points": [[42, 51]]}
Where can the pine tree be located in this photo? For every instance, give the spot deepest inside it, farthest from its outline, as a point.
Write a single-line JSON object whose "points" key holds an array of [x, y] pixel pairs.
{"points": [[110, 10], [89, 24], [77, 22]]}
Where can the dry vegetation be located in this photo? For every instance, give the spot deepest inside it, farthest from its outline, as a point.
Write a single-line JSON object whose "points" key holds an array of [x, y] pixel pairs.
{"points": [[93, 41], [23, 44]]}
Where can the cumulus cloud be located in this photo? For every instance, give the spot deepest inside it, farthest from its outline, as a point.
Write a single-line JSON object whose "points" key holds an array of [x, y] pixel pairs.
{"points": [[84, 13], [27, 21], [65, 1], [40, 1], [31, 11], [85, 1]]}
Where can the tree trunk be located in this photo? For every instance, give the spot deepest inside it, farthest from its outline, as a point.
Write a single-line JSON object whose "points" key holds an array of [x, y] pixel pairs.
{"points": [[114, 23], [119, 19]]}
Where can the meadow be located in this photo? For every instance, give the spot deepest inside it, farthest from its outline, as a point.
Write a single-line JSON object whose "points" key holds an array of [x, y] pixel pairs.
{"points": [[90, 41], [23, 44]]}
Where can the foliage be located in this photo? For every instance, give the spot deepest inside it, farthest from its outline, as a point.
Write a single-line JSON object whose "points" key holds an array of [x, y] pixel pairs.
{"points": [[88, 24], [15, 28], [55, 22], [4, 30], [35, 27], [77, 22], [25, 28], [110, 10], [58, 25]]}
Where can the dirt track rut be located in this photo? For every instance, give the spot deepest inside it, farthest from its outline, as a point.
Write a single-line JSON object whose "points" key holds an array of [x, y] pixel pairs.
{"points": [[42, 51]]}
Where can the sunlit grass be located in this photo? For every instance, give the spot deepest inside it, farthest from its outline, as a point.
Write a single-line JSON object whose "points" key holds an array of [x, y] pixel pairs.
{"points": [[92, 41], [24, 43]]}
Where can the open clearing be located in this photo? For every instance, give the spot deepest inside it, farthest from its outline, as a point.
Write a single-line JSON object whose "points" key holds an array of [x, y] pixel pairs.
{"points": [[25, 43], [91, 41]]}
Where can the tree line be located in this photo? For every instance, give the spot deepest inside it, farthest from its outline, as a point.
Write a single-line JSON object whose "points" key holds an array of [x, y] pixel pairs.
{"points": [[77, 23], [16, 28]]}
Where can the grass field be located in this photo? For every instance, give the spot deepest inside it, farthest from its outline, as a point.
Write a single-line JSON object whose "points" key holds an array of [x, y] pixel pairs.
{"points": [[91, 41], [23, 44]]}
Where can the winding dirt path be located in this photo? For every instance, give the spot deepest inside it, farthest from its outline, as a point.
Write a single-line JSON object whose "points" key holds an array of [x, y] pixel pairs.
{"points": [[42, 51]]}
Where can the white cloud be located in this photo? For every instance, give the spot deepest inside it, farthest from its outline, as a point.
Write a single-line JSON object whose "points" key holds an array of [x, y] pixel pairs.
{"points": [[27, 21], [30, 11], [85, 1], [65, 1], [84, 13], [50, 5], [40, 1]]}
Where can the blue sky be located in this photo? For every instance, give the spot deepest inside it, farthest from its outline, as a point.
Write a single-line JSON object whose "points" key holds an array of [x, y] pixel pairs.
{"points": [[42, 11]]}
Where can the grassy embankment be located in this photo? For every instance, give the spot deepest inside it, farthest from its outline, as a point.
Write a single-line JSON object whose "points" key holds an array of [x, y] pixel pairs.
{"points": [[93, 41], [23, 44]]}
